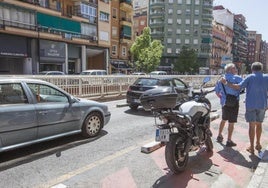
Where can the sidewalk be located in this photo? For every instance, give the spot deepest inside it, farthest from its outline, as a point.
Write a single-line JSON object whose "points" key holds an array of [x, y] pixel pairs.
{"points": [[260, 177]]}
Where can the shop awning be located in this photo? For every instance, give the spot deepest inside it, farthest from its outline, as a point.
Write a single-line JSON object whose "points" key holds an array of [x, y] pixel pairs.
{"points": [[58, 23]]}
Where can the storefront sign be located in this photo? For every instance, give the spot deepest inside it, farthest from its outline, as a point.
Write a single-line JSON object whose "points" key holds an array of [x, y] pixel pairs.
{"points": [[13, 46], [52, 49]]}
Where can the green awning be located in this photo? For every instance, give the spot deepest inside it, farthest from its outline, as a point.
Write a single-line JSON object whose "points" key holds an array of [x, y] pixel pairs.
{"points": [[127, 30], [58, 23]]}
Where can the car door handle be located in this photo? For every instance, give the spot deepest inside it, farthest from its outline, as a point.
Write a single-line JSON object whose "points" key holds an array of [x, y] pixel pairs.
{"points": [[43, 112]]}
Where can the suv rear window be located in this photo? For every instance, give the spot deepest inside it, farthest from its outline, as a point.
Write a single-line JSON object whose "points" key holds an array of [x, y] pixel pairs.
{"points": [[146, 82]]}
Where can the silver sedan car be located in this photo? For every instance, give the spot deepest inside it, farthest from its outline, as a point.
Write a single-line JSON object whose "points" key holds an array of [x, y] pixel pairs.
{"points": [[32, 111]]}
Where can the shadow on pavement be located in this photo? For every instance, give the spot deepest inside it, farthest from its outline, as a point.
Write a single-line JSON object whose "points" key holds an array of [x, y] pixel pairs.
{"points": [[235, 157], [16, 157], [198, 163]]}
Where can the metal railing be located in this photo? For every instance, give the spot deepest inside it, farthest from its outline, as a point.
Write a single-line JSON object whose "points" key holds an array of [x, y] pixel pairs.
{"points": [[105, 86]]}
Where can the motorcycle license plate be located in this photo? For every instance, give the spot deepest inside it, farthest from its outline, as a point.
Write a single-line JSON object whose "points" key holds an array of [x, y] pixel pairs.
{"points": [[162, 135]]}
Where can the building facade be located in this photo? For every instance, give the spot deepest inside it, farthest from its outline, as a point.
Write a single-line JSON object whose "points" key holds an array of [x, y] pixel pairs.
{"points": [[179, 23], [64, 35], [140, 16], [221, 47], [121, 36]]}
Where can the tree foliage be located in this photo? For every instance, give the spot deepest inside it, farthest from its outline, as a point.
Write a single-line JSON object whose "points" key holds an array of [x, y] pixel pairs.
{"points": [[146, 52], [187, 61]]}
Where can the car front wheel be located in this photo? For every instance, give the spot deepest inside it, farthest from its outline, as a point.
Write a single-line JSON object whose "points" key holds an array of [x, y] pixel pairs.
{"points": [[133, 106], [92, 125]]}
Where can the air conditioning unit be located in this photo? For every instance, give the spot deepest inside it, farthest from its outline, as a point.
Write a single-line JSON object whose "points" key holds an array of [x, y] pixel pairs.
{"points": [[95, 38]]}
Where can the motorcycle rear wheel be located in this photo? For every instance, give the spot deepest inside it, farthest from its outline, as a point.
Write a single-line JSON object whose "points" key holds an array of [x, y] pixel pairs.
{"points": [[209, 144], [174, 154]]}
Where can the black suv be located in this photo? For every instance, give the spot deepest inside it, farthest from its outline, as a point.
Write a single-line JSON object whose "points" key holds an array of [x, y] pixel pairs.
{"points": [[143, 84]]}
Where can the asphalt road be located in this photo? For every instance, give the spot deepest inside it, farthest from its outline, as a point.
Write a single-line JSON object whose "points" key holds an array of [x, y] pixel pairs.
{"points": [[114, 159]]}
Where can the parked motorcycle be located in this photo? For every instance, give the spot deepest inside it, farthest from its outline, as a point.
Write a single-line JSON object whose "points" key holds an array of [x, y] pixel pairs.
{"points": [[183, 130]]}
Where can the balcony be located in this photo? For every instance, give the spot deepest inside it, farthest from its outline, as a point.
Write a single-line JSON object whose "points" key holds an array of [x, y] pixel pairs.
{"points": [[126, 21], [126, 5], [207, 16], [157, 3]]}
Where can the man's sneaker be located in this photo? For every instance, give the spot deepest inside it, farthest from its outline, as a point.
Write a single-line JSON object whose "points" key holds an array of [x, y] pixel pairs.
{"points": [[230, 143], [219, 139]]}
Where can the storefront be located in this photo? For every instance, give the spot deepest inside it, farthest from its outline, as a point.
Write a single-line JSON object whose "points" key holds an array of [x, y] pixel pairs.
{"points": [[14, 55], [52, 56]]}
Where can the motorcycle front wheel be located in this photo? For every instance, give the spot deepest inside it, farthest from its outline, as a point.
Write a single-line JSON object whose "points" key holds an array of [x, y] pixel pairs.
{"points": [[176, 158]]}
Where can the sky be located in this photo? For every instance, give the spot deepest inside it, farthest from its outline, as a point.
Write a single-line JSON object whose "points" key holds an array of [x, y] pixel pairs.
{"points": [[253, 10]]}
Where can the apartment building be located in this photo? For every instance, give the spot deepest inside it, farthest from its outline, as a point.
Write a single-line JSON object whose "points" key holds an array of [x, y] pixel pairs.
{"points": [[64, 35], [257, 49], [140, 16], [237, 23], [121, 36], [221, 47], [179, 23]]}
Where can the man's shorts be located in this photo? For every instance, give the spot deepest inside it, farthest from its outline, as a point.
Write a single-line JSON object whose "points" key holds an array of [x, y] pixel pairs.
{"points": [[230, 113], [255, 115]]}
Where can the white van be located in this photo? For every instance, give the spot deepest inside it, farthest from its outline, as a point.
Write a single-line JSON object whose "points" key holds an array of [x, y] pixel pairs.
{"points": [[158, 73], [94, 72]]}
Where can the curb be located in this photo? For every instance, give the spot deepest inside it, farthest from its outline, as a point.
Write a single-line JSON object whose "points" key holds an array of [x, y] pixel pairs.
{"points": [[259, 178], [152, 146], [121, 105]]}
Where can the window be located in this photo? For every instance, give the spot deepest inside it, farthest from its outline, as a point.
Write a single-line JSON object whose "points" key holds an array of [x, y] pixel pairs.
{"points": [[169, 50], [114, 50], [170, 11], [188, 11], [196, 12], [114, 13], [89, 30], [197, 2], [195, 41], [104, 16], [188, 2], [88, 11], [178, 21], [178, 41], [179, 11], [178, 31], [187, 31], [170, 1], [170, 21], [196, 22], [104, 36], [179, 84], [170, 30], [178, 50], [142, 22], [12, 94], [44, 93], [124, 51], [187, 21], [114, 31], [44, 3], [187, 41], [169, 40], [179, 2]]}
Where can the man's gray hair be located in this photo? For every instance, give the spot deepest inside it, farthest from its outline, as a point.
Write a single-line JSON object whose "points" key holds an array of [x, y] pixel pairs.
{"points": [[228, 67], [256, 66]]}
